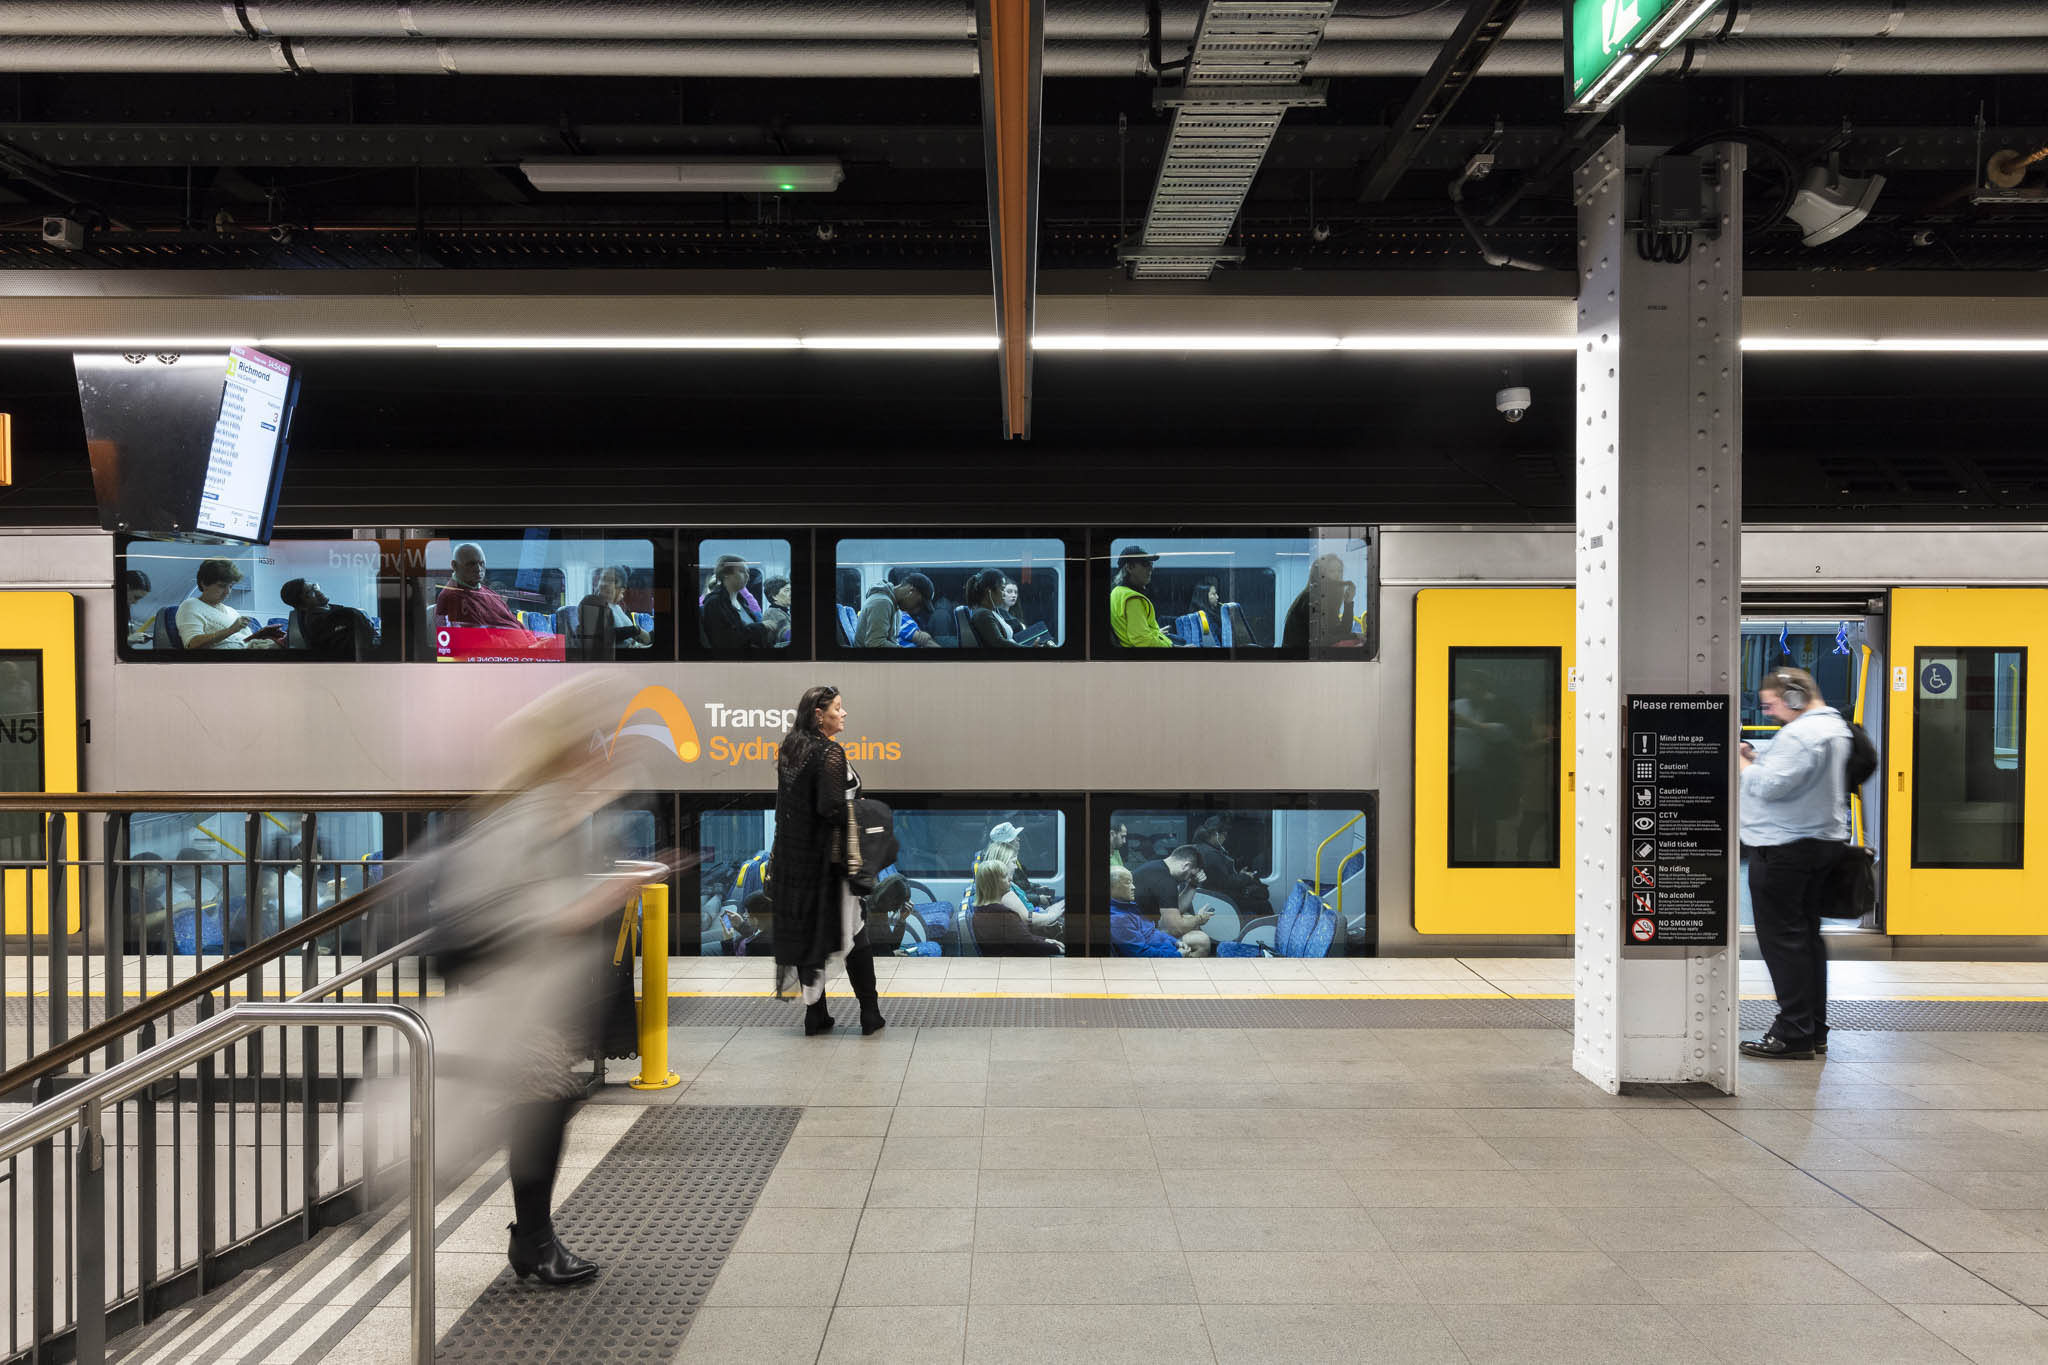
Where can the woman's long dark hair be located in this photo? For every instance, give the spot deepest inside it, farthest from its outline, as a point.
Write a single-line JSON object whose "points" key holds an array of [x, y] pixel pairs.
{"points": [[803, 737]]}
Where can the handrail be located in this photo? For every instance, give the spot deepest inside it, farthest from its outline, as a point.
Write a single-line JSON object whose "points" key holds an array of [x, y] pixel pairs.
{"points": [[83, 803], [367, 967], [111, 1030], [82, 1103], [1319, 865]]}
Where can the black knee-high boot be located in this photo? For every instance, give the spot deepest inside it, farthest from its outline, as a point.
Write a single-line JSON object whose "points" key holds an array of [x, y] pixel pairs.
{"points": [[535, 1151], [860, 973]]}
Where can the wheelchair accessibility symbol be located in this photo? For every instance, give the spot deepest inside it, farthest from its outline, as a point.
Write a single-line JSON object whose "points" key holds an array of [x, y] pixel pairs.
{"points": [[1937, 679]]}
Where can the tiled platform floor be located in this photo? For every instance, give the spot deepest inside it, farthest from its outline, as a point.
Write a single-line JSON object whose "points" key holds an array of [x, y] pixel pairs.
{"points": [[1400, 1195]]}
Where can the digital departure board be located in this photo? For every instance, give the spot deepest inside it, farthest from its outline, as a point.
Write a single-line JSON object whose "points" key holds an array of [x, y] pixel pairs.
{"points": [[246, 462]]}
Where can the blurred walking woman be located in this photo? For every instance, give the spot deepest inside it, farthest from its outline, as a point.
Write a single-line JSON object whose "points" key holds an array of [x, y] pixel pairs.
{"points": [[819, 927]]}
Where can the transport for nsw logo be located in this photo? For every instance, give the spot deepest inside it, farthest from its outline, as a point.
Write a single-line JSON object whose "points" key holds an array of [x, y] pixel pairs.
{"points": [[658, 714]]}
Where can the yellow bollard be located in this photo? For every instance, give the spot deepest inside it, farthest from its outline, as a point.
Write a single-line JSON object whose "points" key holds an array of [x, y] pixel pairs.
{"points": [[654, 1072]]}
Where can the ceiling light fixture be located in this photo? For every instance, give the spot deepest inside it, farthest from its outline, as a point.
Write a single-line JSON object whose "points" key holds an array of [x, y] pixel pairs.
{"points": [[684, 175], [1829, 203]]}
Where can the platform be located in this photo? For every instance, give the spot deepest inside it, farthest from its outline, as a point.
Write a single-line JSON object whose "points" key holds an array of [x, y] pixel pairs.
{"points": [[1384, 1190]]}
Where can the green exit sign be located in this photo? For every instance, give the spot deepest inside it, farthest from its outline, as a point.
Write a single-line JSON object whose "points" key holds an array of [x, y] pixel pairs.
{"points": [[1614, 43]]}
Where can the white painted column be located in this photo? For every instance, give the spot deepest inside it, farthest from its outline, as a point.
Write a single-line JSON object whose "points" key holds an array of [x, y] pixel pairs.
{"points": [[1659, 496]]}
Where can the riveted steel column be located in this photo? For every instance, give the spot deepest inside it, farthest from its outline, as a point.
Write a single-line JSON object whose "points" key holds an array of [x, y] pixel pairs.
{"points": [[1659, 596]]}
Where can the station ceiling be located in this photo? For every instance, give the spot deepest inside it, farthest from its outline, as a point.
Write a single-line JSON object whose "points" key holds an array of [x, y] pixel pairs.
{"points": [[360, 137]]}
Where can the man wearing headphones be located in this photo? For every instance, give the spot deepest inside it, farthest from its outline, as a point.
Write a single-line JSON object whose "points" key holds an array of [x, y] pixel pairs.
{"points": [[1795, 823]]}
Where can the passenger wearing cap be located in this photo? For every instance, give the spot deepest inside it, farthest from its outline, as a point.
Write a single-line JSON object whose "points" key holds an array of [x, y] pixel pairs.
{"points": [[886, 615], [320, 628], [1034, 903], [1131, 614]]}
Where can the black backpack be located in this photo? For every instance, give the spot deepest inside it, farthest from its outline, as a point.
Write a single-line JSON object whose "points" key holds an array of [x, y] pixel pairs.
{"points": [[1861, 760], [1849, 888]]}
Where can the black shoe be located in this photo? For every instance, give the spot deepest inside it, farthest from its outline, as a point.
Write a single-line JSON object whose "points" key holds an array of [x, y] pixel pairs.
{"points": [[546, 1259], [871, 1020], [818, 1019], [1820, 1045], [1774, 1048]]}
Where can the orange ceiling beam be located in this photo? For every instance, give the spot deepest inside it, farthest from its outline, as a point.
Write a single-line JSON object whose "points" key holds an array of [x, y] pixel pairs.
{"points": [[1012, 35]]}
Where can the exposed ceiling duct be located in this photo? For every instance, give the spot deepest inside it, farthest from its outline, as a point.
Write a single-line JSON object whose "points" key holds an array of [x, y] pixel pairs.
{"points": [[912, 59], [926, 20], [1242, 76]]}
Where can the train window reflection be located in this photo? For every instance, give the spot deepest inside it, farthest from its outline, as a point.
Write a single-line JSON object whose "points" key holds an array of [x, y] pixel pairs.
{"points": [[544, 597], [308, 599], [1969, 780], [1306, 593], [745, 596], [967, 593], [1250, 881], [967, 882], [1505, 752], [186, 877]]}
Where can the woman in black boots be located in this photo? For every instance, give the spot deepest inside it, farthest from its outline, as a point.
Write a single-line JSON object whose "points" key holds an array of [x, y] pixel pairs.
{"points": [[818, 922]]}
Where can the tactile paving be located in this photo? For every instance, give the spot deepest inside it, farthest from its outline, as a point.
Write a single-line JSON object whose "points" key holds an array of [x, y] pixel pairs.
{"points": [[659, 1213], [2016, 1016]]}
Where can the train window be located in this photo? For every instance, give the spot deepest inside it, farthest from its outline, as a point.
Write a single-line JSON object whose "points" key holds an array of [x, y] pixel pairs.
{"points": [[295, 598], [1504, 789], [1969, 722], [545, 596], [744, 594], [970, 879], [186, 876], [1300, 592], [998, 593], [21, 751], [1829, 650], [1240, 877]]}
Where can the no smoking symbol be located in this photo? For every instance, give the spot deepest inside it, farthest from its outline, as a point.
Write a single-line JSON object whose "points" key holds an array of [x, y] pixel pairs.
{"points": [[1642, 930]]}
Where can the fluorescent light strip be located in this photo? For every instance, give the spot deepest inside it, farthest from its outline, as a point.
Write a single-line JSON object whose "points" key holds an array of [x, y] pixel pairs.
{"points": [[1102, 342], [1677, 35]]}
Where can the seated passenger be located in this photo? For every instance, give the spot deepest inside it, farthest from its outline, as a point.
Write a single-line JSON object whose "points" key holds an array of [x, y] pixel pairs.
{"points": [[1130, 933], [329, 632], [1166, 890], [730, 621], [885, 615], [139, 627], [1203, 622], [607, 601], [985, 611], [1321, 614], [1131, 614], [1119, 834], [467, 600], [1008, 609], [776, 590], [1000, 929], [1224, 877], [1006, 846], [204, 622]]}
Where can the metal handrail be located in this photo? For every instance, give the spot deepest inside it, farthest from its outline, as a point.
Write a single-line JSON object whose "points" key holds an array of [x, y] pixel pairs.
{"points": [[370, 966], [82, 1106], [84, 803], [110, 1031]]}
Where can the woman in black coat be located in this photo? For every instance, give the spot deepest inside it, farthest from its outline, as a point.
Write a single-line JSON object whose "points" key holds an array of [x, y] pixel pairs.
{"points": [[818, 922]]}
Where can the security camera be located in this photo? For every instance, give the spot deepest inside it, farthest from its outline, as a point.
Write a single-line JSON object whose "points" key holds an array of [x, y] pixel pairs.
{"points": [[64, 232], [1512, 403]]}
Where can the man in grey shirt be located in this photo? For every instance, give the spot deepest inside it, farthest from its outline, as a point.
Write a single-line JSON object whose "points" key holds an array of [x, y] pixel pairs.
{"points": [[1794, 815]]}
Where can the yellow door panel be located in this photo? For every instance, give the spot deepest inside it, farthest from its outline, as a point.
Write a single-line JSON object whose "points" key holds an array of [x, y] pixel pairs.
{"points": [[1493, 830], [38, 745], [1966, 849]]}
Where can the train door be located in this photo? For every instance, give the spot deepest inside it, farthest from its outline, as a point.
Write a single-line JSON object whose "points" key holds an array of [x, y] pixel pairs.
{"points": [[1966, 784], [38, 748], [1493, 732], [1845, 653]]}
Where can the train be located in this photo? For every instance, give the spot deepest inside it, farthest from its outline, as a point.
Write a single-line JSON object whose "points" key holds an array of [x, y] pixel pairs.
{"points": [[1369, 727]]}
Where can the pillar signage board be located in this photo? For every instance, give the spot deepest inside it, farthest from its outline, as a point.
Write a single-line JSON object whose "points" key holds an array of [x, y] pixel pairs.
{"points": [[1680, 835]]}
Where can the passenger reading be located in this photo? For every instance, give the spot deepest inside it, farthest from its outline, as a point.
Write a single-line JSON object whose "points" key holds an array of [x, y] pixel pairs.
{"points": [[240, 469]]}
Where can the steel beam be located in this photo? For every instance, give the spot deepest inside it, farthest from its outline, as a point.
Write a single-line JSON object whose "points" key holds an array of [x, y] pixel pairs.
{"points": [[1012, 38], [1464, 52]]}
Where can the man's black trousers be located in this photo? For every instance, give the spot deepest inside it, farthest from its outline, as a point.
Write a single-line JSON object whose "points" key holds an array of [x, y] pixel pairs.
{"points": [[1785, 887]]}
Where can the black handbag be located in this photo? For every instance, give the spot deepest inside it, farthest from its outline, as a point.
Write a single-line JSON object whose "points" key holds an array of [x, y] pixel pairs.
{"points": [[871, 843]]}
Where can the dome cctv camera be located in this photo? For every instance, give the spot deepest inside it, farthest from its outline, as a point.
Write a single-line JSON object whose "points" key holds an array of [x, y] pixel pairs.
{"points": [[1512, 403]]}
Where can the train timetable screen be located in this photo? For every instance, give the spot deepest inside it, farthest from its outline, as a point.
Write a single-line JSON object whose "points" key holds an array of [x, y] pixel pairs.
{"points": [[241, 469]]}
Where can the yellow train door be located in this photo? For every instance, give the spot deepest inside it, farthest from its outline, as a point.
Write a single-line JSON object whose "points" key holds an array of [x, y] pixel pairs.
{"points": [[38, 749], [1967, 791], [1493, 740]]}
